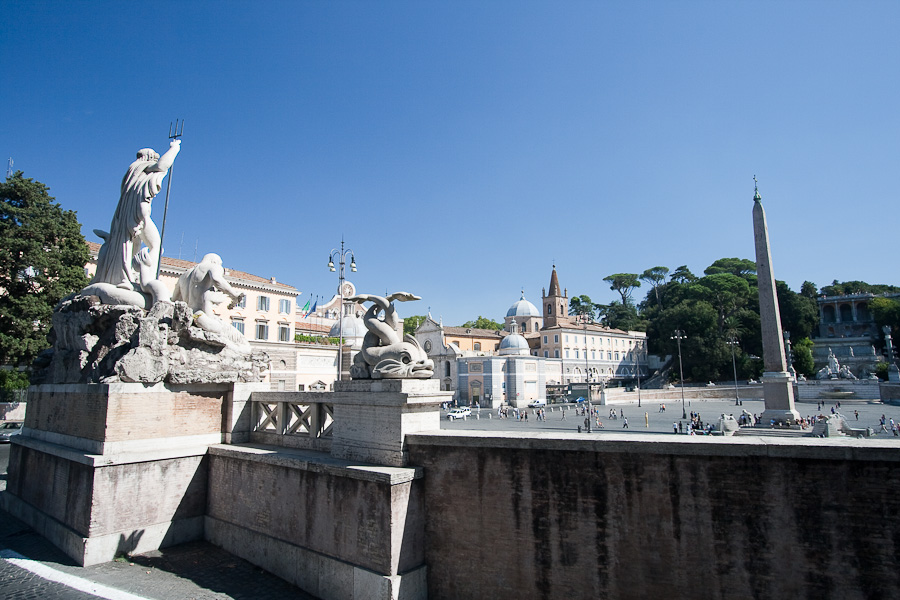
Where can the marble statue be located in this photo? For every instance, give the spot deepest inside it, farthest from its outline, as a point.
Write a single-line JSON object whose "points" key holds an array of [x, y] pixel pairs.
{"points": [[126, 271], [384, 355], [197, 287]]}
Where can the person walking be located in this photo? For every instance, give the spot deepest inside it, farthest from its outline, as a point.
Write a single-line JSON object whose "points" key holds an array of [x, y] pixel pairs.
{"points": [[674, 427], [625, 423]]}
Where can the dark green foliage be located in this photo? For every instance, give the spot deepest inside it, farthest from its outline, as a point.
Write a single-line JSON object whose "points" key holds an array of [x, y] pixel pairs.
{"points": [[42, 259], [483, 323], [803, 358], [410, 324], [857, 287], [623, 283], [11, 379], [582, 305], [799, 313], [622, 316]]}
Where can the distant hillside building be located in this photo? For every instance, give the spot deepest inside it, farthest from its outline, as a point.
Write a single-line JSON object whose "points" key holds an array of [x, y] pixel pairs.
{"points": [[848, 329], [537, 349]]}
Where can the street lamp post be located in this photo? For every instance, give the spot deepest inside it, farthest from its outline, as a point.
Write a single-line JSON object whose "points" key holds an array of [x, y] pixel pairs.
{"points": [[637, 370], [341, 255], [585, 319], [733, 341], [679, 335]]}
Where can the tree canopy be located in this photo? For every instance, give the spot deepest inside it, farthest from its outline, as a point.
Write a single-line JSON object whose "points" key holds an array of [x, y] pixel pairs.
{"points": [[581, 305], [42, 259], [623, 283], [410, 324], [483, 323]]}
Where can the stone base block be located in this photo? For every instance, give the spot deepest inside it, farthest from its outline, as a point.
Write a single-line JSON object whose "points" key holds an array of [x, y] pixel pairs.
{"points": [[318, 574], [373, 417], [96, 550]]}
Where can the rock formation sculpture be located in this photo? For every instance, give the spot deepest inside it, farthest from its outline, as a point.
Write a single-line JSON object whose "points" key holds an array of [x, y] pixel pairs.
{"points": [[384, 355]]}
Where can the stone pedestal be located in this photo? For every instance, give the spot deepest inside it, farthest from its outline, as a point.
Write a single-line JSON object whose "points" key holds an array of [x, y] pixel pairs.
{"points": [[105, 469], [778, 391], [893, 374], [373, 417]]}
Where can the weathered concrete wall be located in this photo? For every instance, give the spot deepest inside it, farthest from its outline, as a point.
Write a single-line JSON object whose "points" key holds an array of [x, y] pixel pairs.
{"points": [[337, 529], [636, 517]]}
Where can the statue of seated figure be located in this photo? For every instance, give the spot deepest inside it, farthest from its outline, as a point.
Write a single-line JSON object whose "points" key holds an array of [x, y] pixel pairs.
{"points": [[197, 288]]}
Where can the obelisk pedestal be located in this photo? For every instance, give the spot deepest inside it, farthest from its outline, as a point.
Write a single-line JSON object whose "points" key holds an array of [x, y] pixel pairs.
{"points": [[778, 388]]}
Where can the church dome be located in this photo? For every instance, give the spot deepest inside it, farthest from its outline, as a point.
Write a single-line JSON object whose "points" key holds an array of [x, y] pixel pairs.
{"points": [[523, 308], [514, 344], [354, 330]]}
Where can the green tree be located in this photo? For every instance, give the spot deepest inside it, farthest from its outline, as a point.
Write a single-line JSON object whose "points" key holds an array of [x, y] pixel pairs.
{"points": [[623, 283], [683, 275], [809, 290], [740, 267], [42, 259], [726, 292], [581, 305], [799, 314], [410, 324], [656, 277], [886, 312], [803, 358], [483, 323], [622, 316]]}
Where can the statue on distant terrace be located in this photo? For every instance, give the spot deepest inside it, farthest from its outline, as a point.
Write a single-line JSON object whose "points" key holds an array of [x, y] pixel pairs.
{"points": [[384, 355], [124, 269]]}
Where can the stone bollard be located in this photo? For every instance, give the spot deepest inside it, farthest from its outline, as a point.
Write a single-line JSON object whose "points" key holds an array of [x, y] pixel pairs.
{"points": [[579, 429], [490, 416]]}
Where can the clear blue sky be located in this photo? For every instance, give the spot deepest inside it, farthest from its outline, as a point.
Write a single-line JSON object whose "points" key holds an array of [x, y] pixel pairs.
{"points": [[461, 148]]}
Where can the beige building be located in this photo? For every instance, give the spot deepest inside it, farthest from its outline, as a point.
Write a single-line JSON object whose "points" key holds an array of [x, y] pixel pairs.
{"points": [[266, 316]]}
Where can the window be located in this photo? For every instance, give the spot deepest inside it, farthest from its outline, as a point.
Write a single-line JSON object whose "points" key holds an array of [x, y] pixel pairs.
{"points": [[262, 303], [284, 333], [556, 338], [593, 355], [262, 330], [556, 354], [242, 303], [549, 309], [567, 338], [576, 354], [546, 354], [609, 356], [617, 356], [567, 354], [477, 346], [238, 324], [284, 306], [545, 339]]}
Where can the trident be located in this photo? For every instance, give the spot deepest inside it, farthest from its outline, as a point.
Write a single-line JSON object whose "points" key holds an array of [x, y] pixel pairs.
{"points": [[174, 134]]}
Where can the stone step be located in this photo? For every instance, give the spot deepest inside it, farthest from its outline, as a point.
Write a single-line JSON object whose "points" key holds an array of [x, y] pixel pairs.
{"points": [[767, 432]]}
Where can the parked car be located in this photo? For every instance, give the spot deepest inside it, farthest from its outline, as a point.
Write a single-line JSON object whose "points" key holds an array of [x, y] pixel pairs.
{"points": [[579, 399], [9, 429], [538, 404], [459, 413]]}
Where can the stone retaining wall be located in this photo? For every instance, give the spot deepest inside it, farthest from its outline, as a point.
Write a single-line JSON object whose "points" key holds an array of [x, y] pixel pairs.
{"points": [[558, 516]]}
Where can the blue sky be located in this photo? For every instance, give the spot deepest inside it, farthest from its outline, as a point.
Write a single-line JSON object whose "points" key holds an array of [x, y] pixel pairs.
{"points": [[461, 149]]}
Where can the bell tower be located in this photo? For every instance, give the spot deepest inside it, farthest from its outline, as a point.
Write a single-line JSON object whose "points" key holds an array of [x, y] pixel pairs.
{"points": [[555, 304]]}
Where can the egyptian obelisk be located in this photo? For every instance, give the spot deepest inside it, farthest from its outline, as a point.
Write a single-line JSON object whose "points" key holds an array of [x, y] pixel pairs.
{"points": [[778, 388]]}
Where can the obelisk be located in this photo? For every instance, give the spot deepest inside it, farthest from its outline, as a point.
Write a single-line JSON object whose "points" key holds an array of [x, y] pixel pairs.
{"points": [[778, 388]]}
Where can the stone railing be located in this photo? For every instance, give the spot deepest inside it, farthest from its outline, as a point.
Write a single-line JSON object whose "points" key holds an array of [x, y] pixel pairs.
{"points": [[292, 419]]}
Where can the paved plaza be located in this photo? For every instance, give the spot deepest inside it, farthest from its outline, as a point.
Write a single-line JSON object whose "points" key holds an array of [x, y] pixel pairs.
{"points": [[648, 419]]}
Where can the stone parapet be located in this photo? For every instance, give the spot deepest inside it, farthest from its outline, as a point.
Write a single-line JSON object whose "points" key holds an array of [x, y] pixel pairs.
{"points": [[336, 528], [373, 417]]}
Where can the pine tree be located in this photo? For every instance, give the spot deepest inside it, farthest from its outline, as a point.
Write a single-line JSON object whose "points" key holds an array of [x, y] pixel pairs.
{"points": [[42, 259]]}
